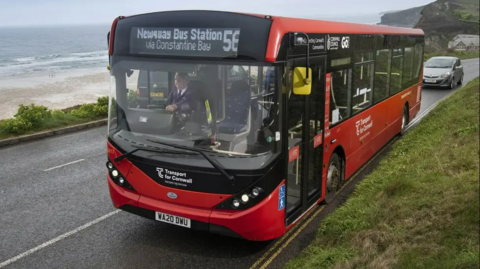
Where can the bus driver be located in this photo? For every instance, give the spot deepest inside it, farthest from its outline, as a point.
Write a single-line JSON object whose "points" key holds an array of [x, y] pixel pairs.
{"points": [[183, 98]]}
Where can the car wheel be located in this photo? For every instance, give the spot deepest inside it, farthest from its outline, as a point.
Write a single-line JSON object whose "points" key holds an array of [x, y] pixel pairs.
{"points": [[460, 82], [452, 83]]}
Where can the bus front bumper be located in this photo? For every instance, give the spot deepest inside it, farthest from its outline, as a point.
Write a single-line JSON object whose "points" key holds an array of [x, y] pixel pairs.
{"points": [[261, 222]]}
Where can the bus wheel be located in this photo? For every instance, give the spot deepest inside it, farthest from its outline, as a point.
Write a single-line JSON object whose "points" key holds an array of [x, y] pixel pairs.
{"points": [[404, 120], [334, 178]]}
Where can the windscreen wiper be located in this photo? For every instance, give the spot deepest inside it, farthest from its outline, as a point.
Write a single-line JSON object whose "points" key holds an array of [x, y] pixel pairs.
{"points": [[201, 151], [137, 148]]}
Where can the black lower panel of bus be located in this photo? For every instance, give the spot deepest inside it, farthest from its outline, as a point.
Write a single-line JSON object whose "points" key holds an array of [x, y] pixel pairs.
{"points": [[195, 225]]}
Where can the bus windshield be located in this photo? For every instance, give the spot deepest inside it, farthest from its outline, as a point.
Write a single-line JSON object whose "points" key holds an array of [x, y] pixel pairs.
{"points": [[223, 108]]}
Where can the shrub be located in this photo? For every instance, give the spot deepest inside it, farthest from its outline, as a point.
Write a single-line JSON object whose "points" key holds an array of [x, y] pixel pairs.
{"points": [[101, 111], [85, 111], [33, 118], [102, 101], [16, 126], [132, 98], [58, 113], [33, 114]]}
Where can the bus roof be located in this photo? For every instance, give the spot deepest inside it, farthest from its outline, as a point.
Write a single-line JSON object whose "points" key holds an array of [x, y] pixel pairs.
{"points": [[283, 25]]}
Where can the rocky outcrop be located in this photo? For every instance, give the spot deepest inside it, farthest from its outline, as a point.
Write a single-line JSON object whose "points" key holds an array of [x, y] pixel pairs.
{"points": [[403, 18], [442, 20]]}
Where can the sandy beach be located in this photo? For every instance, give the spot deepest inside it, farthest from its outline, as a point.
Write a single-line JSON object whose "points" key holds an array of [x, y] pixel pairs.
{"points": [[55, 91]]}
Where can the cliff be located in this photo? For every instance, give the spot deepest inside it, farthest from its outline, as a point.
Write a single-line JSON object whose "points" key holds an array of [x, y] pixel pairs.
{"points": [[440, 20], [403, 18], [444, 19]]}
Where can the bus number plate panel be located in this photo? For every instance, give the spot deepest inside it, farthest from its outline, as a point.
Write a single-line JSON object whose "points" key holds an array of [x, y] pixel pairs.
{"points": [[171, 219]]}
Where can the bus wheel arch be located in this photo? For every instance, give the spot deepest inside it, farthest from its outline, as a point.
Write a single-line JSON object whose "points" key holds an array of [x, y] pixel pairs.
{"points": [[335, 174]]}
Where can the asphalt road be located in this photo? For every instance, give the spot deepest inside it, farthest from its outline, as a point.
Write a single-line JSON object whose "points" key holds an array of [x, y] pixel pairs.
{"points": [[42, 199]]}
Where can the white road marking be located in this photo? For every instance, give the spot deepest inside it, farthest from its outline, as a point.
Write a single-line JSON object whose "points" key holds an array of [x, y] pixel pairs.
{"points": [[63, 236], [77, 161]]}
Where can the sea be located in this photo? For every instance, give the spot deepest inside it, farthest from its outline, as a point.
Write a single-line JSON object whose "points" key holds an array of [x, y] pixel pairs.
{"points": [[61, 66], [52, 49]]}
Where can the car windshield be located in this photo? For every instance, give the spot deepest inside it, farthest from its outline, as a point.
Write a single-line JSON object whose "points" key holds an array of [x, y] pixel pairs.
{"points": [[222, 108], [439, 63]]}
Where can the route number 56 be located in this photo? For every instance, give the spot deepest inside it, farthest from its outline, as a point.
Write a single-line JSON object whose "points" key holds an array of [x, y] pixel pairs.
{"points": [[230, 39]]}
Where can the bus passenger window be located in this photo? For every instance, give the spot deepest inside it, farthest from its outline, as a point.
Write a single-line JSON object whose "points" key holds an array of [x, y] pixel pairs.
{"points": [[382, 75], [340, 85], [408, 68], [362, 82], [396, 72]]}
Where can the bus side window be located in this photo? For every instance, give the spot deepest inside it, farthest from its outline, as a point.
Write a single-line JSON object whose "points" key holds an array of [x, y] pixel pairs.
{"points": [[382, 75], [340, 85], [408, 67], [362, 82]]}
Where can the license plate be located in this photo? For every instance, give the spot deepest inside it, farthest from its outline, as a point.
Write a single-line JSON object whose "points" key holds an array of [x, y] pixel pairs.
{"points": [[171, 219], [156, 94], [431, 80]]}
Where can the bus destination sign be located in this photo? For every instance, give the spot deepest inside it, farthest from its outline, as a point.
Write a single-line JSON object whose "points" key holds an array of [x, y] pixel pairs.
{"points": [[201, 42]]}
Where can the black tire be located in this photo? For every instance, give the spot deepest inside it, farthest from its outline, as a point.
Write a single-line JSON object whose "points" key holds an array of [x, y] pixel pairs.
{"points": [[334, 178], [404, 120], [460, 82], [452, 83]]}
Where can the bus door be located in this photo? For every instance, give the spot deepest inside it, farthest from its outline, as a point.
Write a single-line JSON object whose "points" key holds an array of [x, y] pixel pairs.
{"points": [[304, 128]]}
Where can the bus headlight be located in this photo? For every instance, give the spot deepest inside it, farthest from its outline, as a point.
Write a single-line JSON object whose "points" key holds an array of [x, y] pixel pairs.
{"points": [[244, 199], [118, 178], [249, 196]]}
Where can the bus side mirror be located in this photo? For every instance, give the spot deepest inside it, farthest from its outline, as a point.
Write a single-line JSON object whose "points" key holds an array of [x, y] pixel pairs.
{"points": [[301, 84]]}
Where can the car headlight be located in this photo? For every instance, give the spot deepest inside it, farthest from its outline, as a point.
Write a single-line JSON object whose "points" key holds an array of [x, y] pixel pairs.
{"points": [[446, 75]]}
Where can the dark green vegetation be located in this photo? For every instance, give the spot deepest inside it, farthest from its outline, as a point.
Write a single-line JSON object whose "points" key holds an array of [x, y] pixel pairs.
{"points": [[31, 118], [441, 21], [462, 55], [420, 207]]}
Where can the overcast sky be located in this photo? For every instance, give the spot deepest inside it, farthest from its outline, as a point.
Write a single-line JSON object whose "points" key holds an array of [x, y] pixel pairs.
{"points": [[36, 12]]}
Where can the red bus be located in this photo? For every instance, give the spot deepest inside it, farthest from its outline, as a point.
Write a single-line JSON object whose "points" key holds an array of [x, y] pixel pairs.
{"points": [[241, 140]]}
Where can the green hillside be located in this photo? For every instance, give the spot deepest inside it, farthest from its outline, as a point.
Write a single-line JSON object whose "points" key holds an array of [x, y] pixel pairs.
{"points": [[444, 19]]}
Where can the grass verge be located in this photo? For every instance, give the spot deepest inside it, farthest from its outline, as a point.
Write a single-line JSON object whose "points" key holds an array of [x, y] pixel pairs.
{"points": [[420, 207], [459, 54], [31, 119]]}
